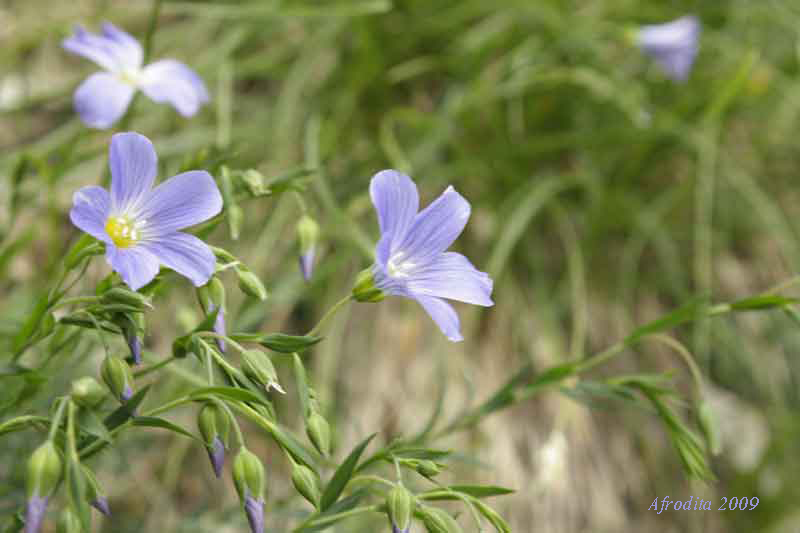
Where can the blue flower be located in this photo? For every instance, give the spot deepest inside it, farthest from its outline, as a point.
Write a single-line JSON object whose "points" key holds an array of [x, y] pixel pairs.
{"points": [[103, 98], [410, 258], [672, 45], [140, 224]]}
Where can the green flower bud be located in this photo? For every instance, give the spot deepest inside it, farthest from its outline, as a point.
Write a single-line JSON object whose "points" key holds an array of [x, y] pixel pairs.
{"points": [[439, 521], [235, 219], [120, 295], [44, 470], [307, 233], [400, 507], [213, 422], [250, 284], [257, 366], [428, 468], [253, 181], [116, 374], [94, 495], [68, 522], [319, 432], [248, 475], [223, 255], [211, 295], [708, 425], [364, 289], [87, 392], [306, 482]]}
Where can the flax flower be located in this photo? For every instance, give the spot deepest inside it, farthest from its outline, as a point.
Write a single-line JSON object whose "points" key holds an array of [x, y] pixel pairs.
{"points": [[103, 98], [410, 258], [672, 45], [140, 224]]}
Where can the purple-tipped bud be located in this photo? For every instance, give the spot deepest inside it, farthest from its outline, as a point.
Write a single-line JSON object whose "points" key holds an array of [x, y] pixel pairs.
{"points": [[307, 264], [118, 378], [395, 529], [135, 346], [307, 237], [101, 504], [216, 454], [34, 513], [255, 513], [212, 296]]}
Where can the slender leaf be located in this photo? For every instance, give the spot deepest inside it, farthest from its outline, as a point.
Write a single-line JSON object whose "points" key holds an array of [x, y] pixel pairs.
{"points": [[342, 475]]}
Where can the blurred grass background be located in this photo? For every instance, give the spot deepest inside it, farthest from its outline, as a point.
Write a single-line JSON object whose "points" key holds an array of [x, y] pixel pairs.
{"points": [[603, 195]]}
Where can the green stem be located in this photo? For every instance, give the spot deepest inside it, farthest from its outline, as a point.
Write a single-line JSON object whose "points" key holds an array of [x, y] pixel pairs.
{"points": [[62, 403], [153, 367], [331, 312], [237, 431], [214, 335]]}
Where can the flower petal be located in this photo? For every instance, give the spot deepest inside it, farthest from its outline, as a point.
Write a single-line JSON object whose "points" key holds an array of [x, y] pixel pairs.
{"points": [[136, 265], [173, 82], [90, 208], [102, 99], [434, 228], [185, 254], [452, 276], [134, 164], [127, 49], [396, 201], [181, 201], [114, 50], [444, 315]]}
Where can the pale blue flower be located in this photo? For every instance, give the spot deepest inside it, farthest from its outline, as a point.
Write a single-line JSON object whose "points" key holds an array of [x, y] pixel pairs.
{"points": [[103, 98], [140, 224], [410, 258], [672, 45], [34, 513]]}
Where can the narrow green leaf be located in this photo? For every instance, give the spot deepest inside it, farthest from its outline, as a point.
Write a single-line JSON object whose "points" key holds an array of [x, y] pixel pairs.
{"points": [[481, 491], [688, 313], [762, 302], [155, 422], [491, 515], [230, 393], [23, 422], [342, 475]]}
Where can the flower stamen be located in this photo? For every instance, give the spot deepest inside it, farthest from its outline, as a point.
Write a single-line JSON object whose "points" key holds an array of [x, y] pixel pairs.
{"points": [[123, 232]]}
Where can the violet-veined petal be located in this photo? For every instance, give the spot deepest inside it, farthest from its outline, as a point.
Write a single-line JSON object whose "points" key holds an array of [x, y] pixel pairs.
{"points": [[183, 253], [102, 99], [452, 276], [134, 164], [181, 201], [434, 229], [173, 82], [90, 208], [444, 315], [127, 49], [136, 265], [396, 201]]}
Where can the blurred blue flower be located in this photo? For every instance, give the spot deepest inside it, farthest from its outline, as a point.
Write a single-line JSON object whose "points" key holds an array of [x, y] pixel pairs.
{"points": [[140, 224], [103, 98], [410, 258], [672, 45]]}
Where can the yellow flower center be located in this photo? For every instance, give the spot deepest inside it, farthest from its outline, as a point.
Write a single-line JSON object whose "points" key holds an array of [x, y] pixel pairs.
{"points": [[122, 231]]}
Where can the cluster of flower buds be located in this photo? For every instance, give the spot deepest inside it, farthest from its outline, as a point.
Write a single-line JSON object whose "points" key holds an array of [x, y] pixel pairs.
{"points": [[214, 425], [250, 481], [44, 472], [117, 376]]}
